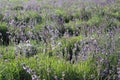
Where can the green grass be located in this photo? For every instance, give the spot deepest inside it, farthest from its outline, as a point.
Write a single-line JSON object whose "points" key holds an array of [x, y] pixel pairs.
{"points": [[11, 68]]}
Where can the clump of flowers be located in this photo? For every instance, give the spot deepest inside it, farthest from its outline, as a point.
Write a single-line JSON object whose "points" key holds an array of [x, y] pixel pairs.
{"points": [[30, 71], [25, 49]]}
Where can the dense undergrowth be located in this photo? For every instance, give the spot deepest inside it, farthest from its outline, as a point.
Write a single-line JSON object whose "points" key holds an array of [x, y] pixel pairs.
{"points": [[59, 40]]}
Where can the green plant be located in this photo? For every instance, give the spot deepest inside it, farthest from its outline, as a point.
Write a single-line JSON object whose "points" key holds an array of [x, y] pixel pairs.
{"points": [[4, 35]]}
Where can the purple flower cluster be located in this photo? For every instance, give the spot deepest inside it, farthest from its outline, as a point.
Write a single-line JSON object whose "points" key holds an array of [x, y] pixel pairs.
{"points": [[25, 49], [31, 72]]}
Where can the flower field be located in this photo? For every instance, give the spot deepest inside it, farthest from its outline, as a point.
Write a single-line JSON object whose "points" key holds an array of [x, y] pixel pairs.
{"points": [[59, 40]]}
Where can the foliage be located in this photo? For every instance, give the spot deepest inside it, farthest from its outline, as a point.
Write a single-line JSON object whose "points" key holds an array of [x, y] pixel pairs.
{"points": [[59, 40]]}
